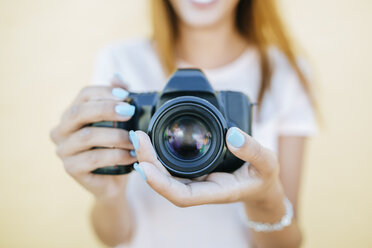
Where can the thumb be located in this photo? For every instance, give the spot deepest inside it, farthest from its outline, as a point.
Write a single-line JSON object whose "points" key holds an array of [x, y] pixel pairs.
{"points": [[144, 150], [248, 149]]}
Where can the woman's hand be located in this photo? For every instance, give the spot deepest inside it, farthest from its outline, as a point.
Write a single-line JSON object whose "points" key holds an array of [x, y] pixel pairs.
{"points": [[255, 183], [75, 140]]}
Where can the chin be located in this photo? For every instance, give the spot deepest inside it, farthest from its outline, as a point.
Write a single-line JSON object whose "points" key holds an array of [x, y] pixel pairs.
{"points": [[203, 13]]}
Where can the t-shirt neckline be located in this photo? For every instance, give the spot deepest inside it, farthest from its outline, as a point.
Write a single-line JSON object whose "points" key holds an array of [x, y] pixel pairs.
{"points": [[241, 59]]}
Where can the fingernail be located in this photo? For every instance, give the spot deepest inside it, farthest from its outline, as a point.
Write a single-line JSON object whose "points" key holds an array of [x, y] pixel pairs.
{"points": [[125, 110], [134, 139], [133, 153], [120, 93], [235, 138], [140, 171]]}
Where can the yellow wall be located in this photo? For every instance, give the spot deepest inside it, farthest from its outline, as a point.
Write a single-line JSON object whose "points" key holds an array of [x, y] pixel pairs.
{"points": [[46, 53]]}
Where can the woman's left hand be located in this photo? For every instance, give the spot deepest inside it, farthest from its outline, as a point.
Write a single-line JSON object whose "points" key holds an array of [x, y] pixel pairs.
{"points": [[255, 183]]}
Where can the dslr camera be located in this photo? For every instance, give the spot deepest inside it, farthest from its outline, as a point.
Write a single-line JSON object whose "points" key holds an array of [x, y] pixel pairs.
{"points": [[187, 124]]}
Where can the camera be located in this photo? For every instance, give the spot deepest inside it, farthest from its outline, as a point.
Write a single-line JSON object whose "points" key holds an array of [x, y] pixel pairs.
{"points": [[187, 124]]}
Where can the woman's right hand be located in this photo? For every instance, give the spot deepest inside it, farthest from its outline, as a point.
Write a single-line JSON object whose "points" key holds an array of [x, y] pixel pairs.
{"points": [[75, 140]]}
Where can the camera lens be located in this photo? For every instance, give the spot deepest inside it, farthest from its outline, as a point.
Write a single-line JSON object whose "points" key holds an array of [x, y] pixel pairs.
{"points": [[187, 138], [187, 133]]}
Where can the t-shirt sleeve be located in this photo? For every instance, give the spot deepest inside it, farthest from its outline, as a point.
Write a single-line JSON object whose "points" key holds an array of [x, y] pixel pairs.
{"points": [[296, 115]]}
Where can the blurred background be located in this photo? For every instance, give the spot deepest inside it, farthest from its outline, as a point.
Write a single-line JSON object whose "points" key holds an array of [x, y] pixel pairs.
{"points": [[47, 48]]}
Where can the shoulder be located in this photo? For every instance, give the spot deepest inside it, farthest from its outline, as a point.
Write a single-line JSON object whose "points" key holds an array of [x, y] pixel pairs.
{"points": [[286, 89], [134, 59], [287, 103], [282, 66], [285, 80]]}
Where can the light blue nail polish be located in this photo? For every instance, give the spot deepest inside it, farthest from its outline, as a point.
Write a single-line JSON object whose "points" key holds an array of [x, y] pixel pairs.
{"points": [[134, 139], [133, 153], [140, 171], [125, 110], [235, 138], [120, 93]]}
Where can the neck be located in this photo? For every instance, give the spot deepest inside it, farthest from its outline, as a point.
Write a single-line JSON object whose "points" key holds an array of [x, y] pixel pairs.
{"points": [[210, 47]]}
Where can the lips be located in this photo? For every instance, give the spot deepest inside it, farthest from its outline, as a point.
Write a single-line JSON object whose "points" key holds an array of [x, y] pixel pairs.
{"points": [[203, 2]]}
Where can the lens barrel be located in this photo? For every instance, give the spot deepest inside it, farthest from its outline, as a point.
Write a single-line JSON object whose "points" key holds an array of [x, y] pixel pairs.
{"points": [[187, 133]]}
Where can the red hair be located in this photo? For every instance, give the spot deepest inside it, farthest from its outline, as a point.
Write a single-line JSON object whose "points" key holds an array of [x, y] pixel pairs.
{"points": [[257, 20]]}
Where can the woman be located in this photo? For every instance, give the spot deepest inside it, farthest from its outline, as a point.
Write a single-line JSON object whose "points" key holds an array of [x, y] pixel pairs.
{"points": [[240, 45]]}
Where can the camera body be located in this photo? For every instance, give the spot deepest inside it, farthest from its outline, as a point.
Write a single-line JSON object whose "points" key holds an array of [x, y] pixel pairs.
{"points": [[187, 124]]}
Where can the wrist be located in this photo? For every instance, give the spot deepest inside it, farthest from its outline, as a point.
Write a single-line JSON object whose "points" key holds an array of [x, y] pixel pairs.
{"points": [[111, 201], [269, 226], [269, 207]]}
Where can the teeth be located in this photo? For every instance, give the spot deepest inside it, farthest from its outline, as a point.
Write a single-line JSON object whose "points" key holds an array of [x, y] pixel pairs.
{"points": [[202, 1]]}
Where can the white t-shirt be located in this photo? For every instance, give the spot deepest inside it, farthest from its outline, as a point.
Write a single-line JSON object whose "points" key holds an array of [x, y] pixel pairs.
{"points": [[286, 110]]}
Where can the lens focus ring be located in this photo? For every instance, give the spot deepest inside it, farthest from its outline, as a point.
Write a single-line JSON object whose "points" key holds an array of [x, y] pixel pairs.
{"points": [[188, 136]]}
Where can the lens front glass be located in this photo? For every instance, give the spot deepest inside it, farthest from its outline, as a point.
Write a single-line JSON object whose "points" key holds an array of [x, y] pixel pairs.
{"points": [[187, 138]]}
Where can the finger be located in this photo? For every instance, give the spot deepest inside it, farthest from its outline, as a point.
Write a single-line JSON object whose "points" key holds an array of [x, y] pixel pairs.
{"points": [[118, 81], [94, 93], [248, 149], [163, 183], [91, 112], [144, 149], [190, 194], [179, 193], [89, 137], [244, 172], [248, 178], [90, 160]]}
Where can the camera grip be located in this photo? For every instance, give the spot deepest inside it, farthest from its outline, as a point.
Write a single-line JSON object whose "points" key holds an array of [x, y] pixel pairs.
{"points": [[114, 170], [139, 121]]}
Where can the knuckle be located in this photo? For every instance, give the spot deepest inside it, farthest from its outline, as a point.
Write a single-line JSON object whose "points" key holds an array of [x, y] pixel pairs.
{"points": [[94, 157], [269, 173], [68, 170], [114, 138], [233, 195], [272, 169], [54, 135], [104, 109], [84, 92], [120, 156], [68, 166], [120, 137], [73, 112], [59, 151], [275, 170], [85, 134], [257, 153], [181, 203], [273, 157]]}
